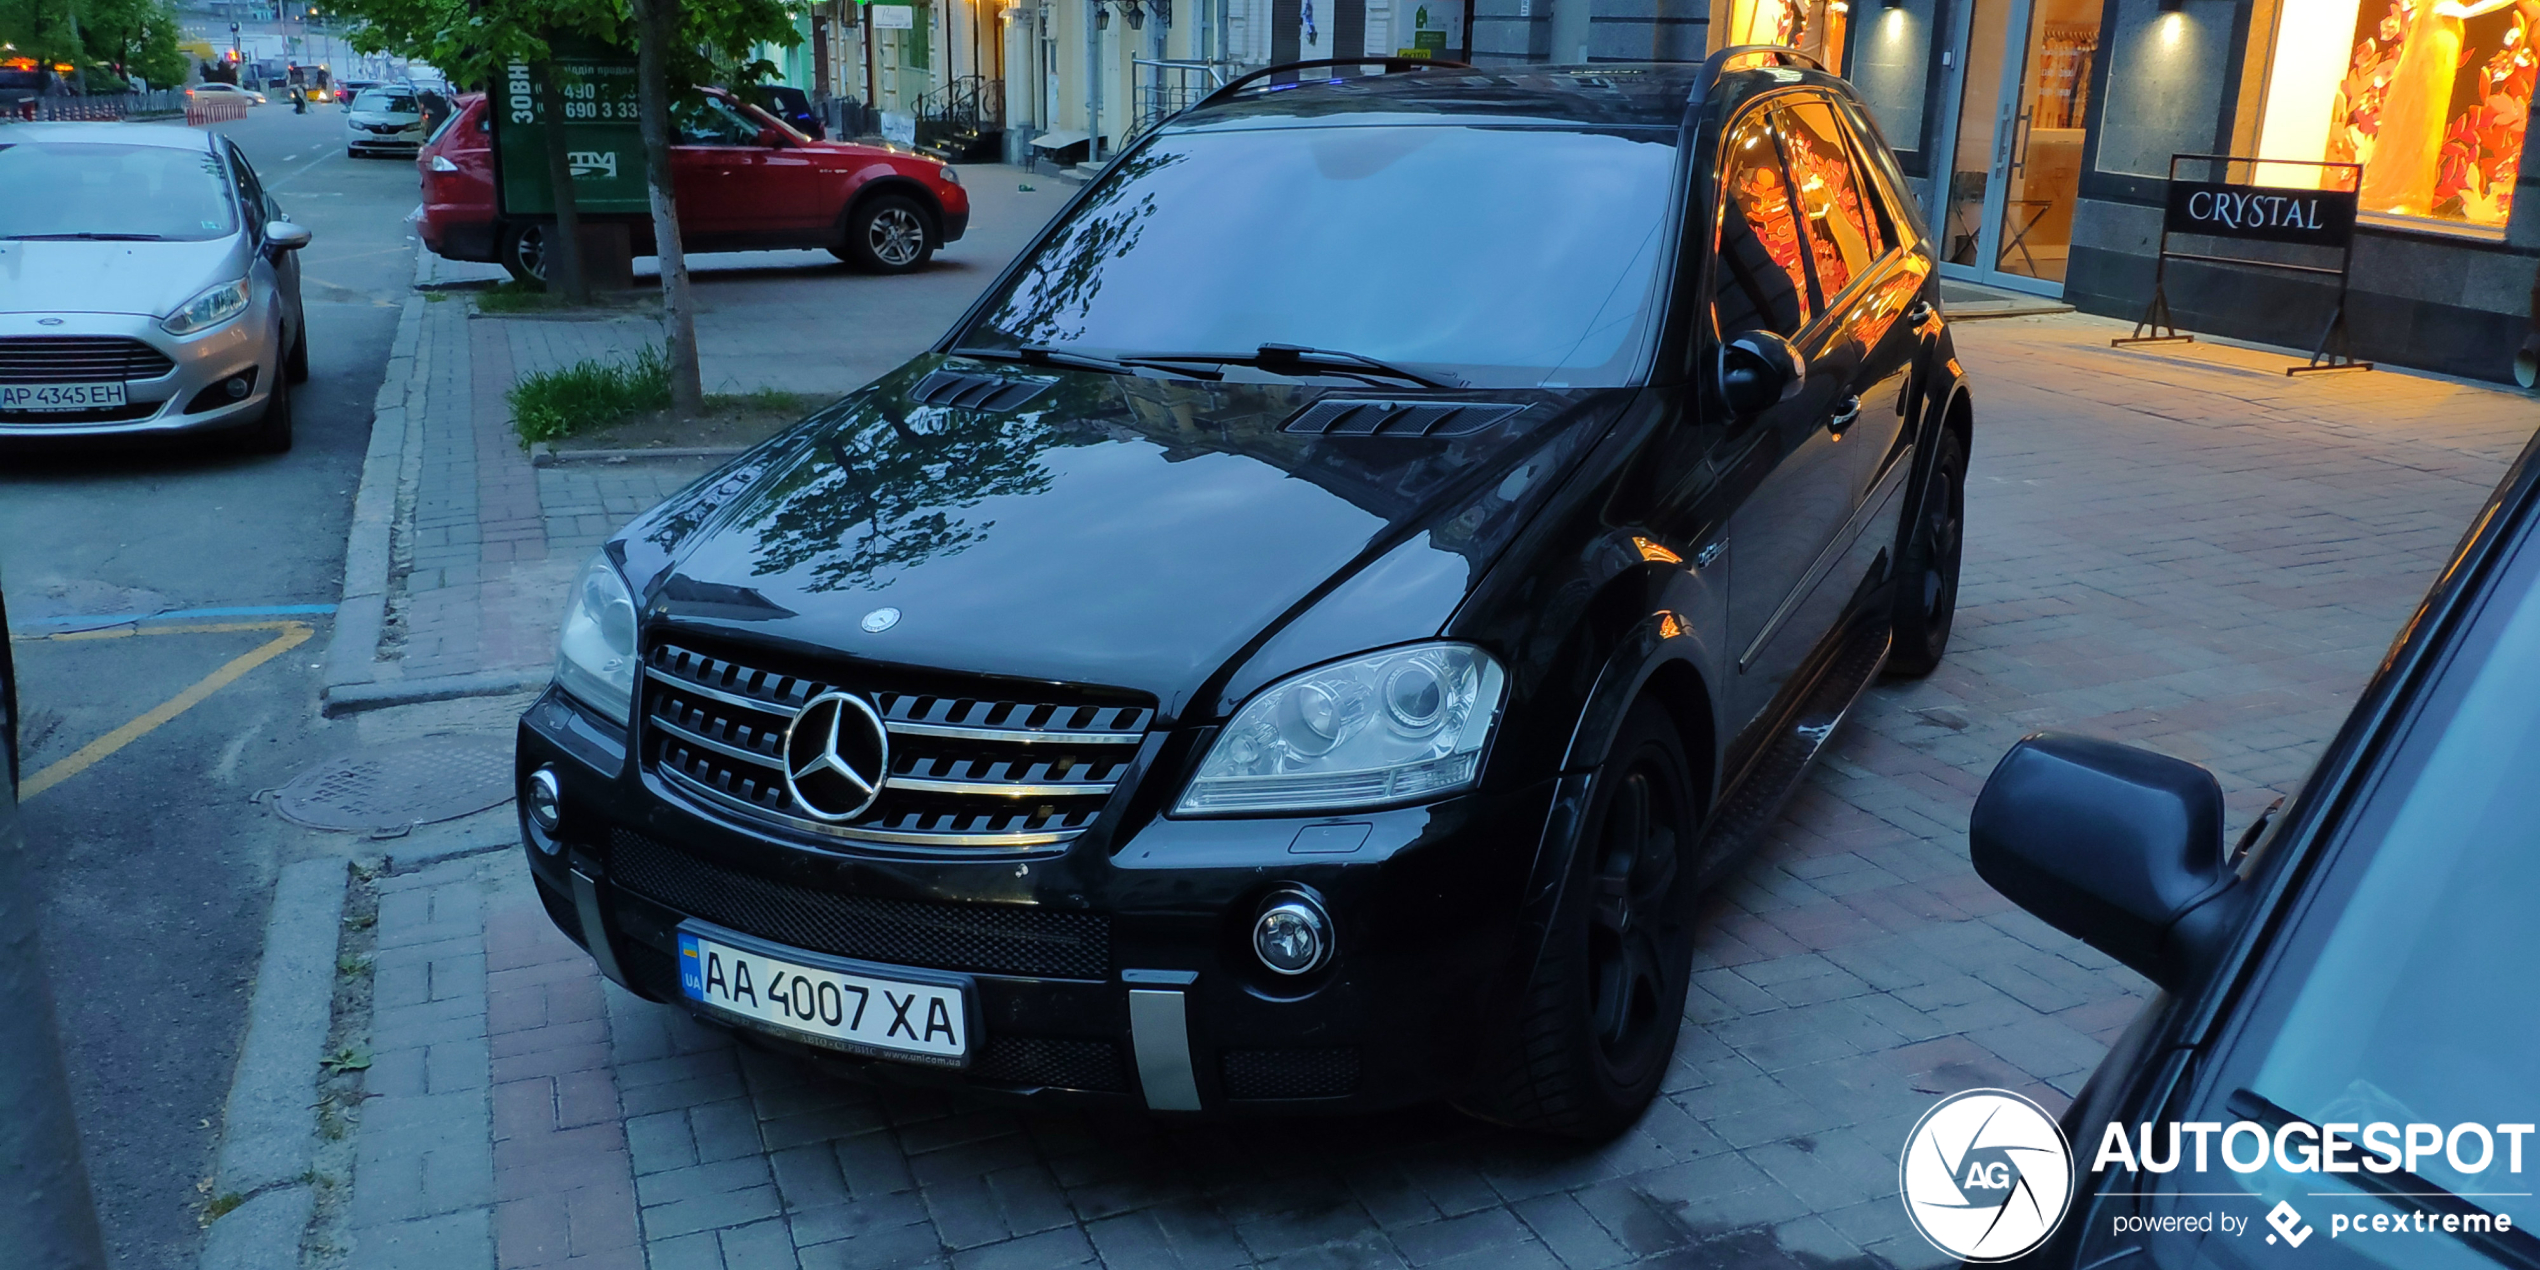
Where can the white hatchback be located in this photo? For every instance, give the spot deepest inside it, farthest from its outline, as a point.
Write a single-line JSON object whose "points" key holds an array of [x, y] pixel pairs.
{"points": [[384, 119]]}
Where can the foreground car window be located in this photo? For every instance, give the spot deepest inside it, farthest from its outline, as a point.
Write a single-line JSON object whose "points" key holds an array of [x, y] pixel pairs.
{"points": [[84, 190], [2407, 996], [1507, 257]]}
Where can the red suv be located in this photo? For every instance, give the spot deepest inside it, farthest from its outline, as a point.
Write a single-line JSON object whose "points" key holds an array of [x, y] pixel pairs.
{"points": [[746, 181]]}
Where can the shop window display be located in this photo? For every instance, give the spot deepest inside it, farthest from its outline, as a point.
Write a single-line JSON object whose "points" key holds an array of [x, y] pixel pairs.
{"points": [[1814, 27], [2430, 96]]}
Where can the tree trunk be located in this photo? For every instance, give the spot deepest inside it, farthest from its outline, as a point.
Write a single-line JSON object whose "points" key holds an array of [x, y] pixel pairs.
{"points": [[564, 248], [657, 23], [46, 1215]]}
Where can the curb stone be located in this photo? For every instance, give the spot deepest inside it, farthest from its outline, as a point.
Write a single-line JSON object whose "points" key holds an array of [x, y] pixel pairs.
{"points": [[269, 1132], [352, 651]]}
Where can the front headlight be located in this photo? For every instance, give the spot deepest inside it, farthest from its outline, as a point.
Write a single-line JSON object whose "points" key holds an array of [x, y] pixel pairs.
{"points": [[209, 309], [595, 652], [1392, 727], [950, 177]]}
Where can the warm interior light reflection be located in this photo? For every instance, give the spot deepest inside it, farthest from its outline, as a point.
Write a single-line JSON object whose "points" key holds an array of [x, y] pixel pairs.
{"points": [[2172, 24], [1656, 553]]}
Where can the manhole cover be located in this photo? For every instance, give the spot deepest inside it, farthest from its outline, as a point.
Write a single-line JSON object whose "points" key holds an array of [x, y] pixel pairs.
{"points": [[434, 779]]}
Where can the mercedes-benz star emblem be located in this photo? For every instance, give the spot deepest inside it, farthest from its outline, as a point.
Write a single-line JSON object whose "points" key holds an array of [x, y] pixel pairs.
{"points": [[836, 756], [880, 620]]}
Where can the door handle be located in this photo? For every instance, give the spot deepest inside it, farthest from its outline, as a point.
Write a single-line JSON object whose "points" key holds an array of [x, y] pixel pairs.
{"points": [[1919, 314], [1844, 415]]}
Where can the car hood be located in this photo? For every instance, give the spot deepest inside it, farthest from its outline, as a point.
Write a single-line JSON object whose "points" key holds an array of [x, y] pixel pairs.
{"points": [[1112, 530], [72, 276]]}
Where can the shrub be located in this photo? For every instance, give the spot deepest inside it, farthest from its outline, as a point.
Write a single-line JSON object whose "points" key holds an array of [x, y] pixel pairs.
{"points": [[552, 404]]}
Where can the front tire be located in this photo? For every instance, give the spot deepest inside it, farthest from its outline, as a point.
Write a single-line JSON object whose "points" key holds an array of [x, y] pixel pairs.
{"points": [[888, 233], [1927, 584], [271, 432], [523, 253], [295, 366], [1599, 1020]]}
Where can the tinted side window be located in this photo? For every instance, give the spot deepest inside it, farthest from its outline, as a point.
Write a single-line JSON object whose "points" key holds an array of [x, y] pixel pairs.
{"points": [[1760, 282], [1841, 232], [251, 194]]}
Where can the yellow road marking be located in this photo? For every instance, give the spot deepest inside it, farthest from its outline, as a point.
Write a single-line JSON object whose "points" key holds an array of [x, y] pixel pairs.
{"points": [[293, 634]]}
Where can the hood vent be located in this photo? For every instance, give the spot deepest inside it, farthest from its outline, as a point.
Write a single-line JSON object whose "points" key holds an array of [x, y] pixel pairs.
{"points": [[977, 392], [1347, 418]]}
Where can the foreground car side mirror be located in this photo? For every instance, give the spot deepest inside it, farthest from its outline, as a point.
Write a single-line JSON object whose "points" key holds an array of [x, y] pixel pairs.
{"points": [[1758, 370], [770, 139], [282, 235], [2118, 847]]}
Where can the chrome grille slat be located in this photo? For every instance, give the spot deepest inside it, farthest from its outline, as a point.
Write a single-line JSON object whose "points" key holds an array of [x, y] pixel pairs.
{"points": [[66, 359], [968, 771]]}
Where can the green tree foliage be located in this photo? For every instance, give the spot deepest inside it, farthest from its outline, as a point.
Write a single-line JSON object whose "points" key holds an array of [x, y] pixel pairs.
{"points": [[467, 41], [140, 36]]}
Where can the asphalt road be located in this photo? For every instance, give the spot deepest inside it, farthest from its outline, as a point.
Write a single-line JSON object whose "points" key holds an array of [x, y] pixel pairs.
{"points": [[156, 867]]}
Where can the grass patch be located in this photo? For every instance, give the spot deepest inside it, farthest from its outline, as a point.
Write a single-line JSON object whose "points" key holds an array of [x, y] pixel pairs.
{"points": [[515, 296], [588, 395], [221, 1206], [728, 421]]}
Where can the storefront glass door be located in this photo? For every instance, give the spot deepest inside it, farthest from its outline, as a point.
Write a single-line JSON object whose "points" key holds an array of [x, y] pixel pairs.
{"points": [[2015, 173]]}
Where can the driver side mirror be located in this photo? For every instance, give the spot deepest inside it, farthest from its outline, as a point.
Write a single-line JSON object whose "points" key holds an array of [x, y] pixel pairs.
{"points": [[2118, 847], [1758, 370], [769, 139], [282, 235]]}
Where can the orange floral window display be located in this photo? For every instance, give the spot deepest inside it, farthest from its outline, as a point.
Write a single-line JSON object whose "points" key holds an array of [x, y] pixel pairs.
{"points": [[1814, 27], [1762, 280], [2430, 96], [1840, 230]]}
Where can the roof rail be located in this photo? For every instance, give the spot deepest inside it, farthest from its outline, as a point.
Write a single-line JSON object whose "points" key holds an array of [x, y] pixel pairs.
{"points": [[1392, 65], [1715, 63]]}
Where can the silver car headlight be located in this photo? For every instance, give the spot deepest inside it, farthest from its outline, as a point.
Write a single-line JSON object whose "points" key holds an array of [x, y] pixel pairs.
{"points": [[950, 177], [210, 309], [1393, 727], [595, 651]]}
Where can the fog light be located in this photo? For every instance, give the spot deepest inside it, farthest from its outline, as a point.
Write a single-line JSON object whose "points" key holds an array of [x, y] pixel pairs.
{"points": [[546, 800], [236, 386], [1292, 937]]}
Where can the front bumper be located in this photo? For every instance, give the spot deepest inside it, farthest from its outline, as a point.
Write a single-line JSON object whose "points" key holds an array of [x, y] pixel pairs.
{"points": [[1425, 913], [160, 403]]}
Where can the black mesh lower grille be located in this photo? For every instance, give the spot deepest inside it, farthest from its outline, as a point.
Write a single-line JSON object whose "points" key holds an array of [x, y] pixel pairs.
{"points": [[1006, 939], [1304, 1073], [1064, 1064]]}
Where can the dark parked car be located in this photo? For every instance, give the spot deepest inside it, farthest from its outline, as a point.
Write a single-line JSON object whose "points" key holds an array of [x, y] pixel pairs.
{"points": [[2354, 978], [1307, 636]]}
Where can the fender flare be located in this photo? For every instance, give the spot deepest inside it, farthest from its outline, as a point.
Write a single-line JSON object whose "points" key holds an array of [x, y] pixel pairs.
{"points": [[894, 183], [1927, 432]]}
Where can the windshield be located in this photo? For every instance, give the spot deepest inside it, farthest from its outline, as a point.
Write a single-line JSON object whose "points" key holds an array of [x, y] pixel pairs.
{"points": [[386, 101], [2407, 995], [80, 189], [1500, 257]]}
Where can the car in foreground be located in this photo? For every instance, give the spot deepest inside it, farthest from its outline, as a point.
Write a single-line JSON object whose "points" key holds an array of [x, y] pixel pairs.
{"points": [[1245, 666], [383, 119], [2351, 979], [154, 287], [745, 180]]}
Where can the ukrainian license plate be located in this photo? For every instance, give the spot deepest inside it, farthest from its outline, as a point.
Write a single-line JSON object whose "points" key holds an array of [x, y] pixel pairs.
{"points": [[60, 396], [850, 1006]]}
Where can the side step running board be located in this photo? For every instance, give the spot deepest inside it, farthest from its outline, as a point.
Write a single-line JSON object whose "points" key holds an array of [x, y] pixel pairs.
{"points": [[1750, 808]]}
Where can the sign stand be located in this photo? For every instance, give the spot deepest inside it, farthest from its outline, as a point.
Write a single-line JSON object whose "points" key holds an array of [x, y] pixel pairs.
{"points": [[2218, 209]]}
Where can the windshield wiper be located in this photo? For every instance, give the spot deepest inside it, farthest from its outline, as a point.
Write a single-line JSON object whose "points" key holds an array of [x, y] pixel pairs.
{"points": [[89, 236], [2405, 1190], [1043, 355], [1287, 359]]}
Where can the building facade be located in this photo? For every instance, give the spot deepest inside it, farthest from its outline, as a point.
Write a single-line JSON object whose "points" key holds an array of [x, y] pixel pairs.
{"points": [[2039, 134]]}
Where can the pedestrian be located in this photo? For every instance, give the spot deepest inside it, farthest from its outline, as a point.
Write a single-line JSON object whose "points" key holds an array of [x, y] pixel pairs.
{"points": [[299, 100]]}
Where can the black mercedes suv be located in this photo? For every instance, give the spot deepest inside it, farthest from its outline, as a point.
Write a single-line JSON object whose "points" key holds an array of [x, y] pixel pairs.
{"points": [[1309, 634]]}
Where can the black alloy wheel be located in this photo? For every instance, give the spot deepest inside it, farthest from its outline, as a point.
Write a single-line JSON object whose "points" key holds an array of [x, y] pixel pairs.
{"points": [[888, 233], [524, 254], [1927, 584], [1602, 1013]]}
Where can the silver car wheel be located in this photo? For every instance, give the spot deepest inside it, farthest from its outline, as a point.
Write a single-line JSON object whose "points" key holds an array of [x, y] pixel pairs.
{"points": [[896, 235]]}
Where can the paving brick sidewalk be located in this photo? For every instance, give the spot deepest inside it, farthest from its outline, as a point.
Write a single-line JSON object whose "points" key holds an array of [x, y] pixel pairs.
{"points": [[2182, 549]]}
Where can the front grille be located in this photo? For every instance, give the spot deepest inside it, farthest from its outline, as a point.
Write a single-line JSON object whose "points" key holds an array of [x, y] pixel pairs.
{"points": [[996, 939], [78, 359], [1327, 1072], [1065, 1064], [967, 771]]}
